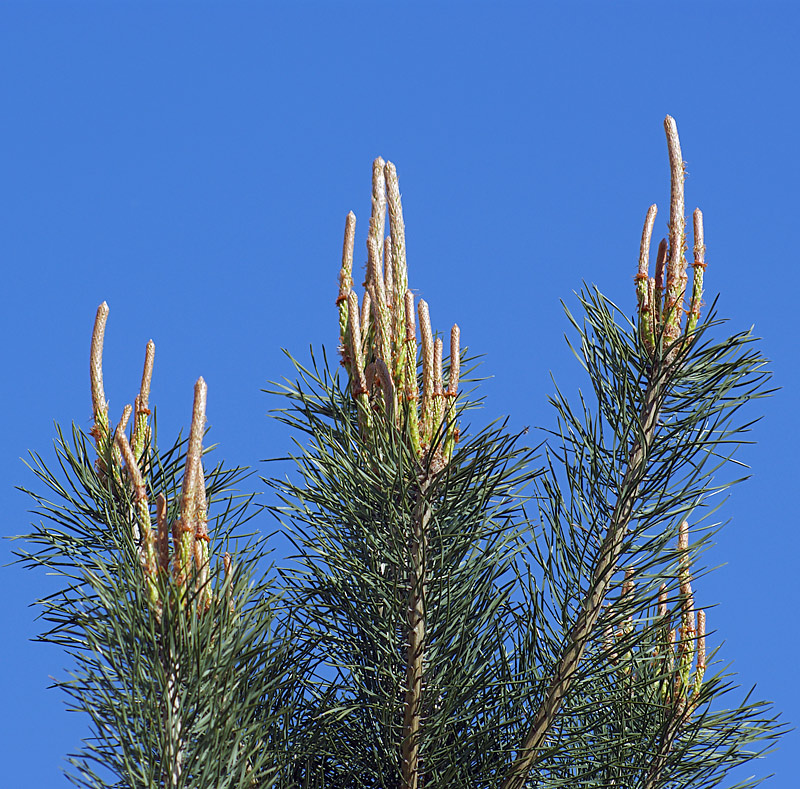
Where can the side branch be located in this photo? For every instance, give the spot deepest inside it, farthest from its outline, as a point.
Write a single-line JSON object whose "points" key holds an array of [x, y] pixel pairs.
{"points": [[583, 627]]}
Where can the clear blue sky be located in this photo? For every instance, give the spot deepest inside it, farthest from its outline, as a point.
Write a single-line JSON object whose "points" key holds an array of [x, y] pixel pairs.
{"points": [[193, 163]]}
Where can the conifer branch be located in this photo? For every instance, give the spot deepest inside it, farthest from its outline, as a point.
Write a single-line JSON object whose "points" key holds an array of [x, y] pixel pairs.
{"points": [[156, 658], [428, 610], [173, 724], [662, 371], [685, 651], [605, 567], [416, 634]]}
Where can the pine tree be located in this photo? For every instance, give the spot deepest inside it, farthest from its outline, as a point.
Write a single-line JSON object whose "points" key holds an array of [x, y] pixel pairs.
{"points": [[462, 611]]}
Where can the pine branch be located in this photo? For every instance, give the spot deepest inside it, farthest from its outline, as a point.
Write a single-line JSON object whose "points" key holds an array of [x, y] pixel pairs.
{"points": [[179, 665], [605, 568], [417, 572], [677, 370], [431, 633]]}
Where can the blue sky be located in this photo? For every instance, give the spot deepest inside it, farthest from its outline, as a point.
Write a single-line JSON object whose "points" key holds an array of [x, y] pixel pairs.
{"points": [[193, 163]]}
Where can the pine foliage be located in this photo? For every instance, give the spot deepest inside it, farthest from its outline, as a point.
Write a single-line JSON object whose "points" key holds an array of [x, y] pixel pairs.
{"points": [[176, 660], [462, 610]]}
